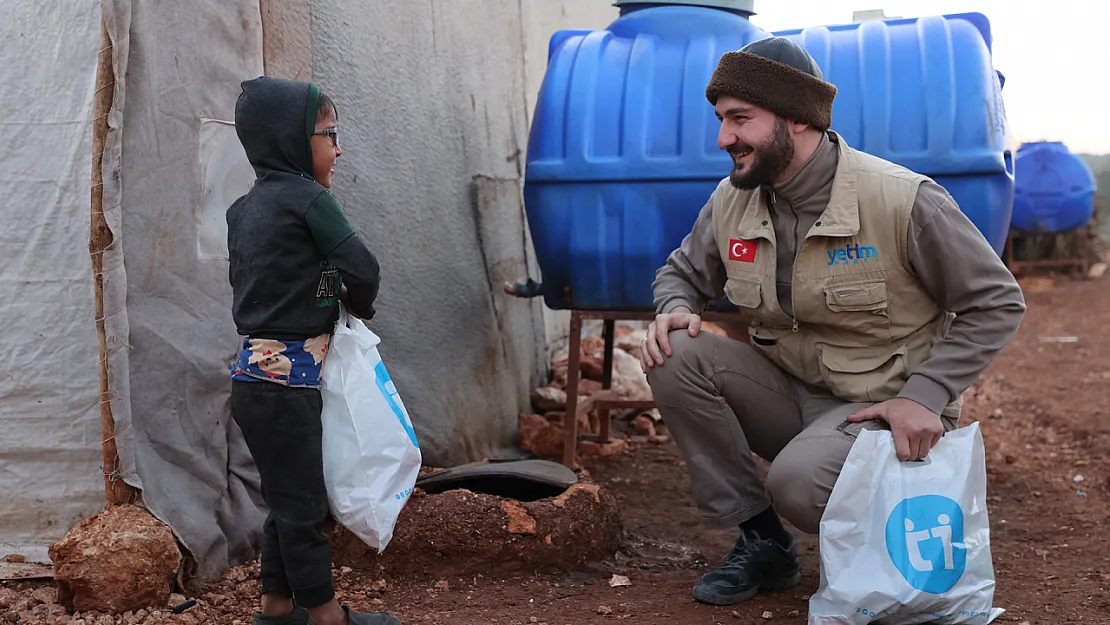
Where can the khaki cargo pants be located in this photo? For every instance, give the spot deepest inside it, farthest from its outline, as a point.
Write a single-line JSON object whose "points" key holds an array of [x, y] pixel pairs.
{"points": [[723, 400]]}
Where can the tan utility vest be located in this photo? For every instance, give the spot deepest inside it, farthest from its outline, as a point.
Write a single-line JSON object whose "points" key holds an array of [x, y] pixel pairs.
{"points": [[862, 320]]}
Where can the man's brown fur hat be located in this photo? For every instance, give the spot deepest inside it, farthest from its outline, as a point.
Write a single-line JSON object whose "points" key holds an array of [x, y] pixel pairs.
{"points": [[778, 75]]}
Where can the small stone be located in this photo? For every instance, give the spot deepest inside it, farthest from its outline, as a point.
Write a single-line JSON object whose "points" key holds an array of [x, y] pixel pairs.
{"points": [[548, 398], [619, 580], [603, 450], [539, 436], [15, 558], [644, 426], [45, 595], [555, 417], [520, 522], [793, 613], [377, 602], [442, 585], [592, 368], [175, 600], [736, 614], [768, 615], [346, 570], [604, 609], [587, 388]]}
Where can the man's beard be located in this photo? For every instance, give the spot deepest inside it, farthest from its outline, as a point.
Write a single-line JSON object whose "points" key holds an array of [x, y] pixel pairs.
{"points": [[768, 160]]}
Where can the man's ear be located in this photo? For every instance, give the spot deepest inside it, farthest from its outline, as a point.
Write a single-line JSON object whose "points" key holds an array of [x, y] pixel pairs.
{"points": [[797, 128]]}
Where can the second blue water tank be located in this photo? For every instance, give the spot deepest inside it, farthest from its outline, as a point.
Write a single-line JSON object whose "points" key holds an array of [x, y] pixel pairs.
{"points": [[623, 147], [1055, 190]]}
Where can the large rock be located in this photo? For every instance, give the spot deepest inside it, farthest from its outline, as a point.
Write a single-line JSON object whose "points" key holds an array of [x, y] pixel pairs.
{"points": [[121, 559], [548, 398], [629, 380], [540, 436]]}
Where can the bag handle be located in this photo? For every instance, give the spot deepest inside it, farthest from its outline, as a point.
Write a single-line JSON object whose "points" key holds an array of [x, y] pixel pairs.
{"points": [[349, 324]]}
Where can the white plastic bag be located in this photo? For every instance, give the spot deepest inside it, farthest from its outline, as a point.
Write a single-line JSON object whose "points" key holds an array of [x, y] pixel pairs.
{"points": [[371, 455], [907, 542]]}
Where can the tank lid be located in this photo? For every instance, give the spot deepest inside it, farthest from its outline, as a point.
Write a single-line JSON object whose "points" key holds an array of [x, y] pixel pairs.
{"points": [[740, 6]]}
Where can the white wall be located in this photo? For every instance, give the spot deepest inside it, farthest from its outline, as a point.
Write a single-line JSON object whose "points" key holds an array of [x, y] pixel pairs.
{"points": [[432, 102], [435, 99]]}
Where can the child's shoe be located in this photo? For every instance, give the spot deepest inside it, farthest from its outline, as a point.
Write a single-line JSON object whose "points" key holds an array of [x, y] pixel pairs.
{"points": [[299, 616]]}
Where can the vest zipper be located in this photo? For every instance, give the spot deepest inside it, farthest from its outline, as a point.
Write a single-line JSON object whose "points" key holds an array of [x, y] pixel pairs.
{"points": [[797, 248]]}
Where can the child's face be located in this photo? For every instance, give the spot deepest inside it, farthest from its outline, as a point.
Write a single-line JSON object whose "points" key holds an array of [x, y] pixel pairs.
{"points": [[325, 151]]}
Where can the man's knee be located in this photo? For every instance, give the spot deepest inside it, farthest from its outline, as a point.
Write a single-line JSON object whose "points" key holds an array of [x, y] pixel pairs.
{"points": [[690, 357], [802, 478]]}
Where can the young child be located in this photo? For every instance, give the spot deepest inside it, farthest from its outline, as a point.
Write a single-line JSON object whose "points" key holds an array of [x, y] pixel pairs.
{"points": [[294, 257]]}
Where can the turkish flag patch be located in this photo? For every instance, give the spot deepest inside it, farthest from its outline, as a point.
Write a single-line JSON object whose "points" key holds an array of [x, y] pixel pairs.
{"points": [[742, 251]]}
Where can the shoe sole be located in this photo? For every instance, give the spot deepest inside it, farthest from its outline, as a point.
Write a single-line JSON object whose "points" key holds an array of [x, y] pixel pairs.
{"points": [[706, 595]]}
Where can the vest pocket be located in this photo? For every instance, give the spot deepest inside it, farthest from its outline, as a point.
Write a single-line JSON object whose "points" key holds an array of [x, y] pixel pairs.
{"points": [[863, 374], [743, 292], [760, 336], [859, 307]]}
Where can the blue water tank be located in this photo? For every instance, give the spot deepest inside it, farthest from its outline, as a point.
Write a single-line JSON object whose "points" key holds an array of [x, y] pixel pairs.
{"points": [[623, 151], [923, 93], [1055, 190]]}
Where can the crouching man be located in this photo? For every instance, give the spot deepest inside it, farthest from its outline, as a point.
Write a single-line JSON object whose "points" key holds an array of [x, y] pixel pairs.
{"points": [[875, 303]]}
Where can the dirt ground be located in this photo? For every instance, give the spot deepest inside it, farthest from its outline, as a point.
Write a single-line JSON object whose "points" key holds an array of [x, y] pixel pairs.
{"points": [[1043, 410]]}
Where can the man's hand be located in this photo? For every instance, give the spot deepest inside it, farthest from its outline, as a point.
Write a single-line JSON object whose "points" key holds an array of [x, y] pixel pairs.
{"points": [[916, 429], [657, 343]]}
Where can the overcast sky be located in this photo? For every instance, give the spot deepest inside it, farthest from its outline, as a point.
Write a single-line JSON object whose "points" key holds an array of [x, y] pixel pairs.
{"points": [[1055, 56]]}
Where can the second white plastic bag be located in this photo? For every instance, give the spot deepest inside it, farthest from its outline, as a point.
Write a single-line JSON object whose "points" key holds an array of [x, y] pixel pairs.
{"points": [[371, 454], [907, 542]]}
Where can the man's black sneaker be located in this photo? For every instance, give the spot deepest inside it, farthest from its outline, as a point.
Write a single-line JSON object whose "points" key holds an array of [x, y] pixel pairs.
{"points": [[754, 564]]}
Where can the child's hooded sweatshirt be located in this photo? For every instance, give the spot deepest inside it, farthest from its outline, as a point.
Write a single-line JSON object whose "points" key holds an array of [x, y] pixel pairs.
{"points": [[290, 244]]}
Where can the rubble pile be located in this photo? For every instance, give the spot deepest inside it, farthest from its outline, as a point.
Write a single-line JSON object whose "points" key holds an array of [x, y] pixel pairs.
{"points": [[543, 431]]}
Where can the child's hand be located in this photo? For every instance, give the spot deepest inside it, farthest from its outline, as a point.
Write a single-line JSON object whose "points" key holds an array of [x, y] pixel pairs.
{"points": [[343, 300]]}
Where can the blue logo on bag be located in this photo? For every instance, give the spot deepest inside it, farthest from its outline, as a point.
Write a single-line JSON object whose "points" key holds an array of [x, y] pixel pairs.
{"points": [[389, 392], [925, 540]]}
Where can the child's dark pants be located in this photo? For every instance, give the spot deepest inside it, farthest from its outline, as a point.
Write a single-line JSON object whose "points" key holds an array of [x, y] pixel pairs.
{"points": [[282, 428]]}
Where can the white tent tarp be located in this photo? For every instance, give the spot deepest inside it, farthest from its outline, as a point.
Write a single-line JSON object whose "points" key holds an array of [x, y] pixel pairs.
{"points": [[168, 328], [50, 451]]}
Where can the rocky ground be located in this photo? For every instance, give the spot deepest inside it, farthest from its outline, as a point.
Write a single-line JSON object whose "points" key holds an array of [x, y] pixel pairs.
{"points": [[1043, 410]]}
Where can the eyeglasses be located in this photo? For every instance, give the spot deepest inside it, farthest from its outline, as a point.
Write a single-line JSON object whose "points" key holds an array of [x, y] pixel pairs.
{"points": [[333, 132]]}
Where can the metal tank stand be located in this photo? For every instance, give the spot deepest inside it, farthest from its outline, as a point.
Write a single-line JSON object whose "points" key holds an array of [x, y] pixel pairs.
{"points": [[605, 406], [1079, 259]]}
